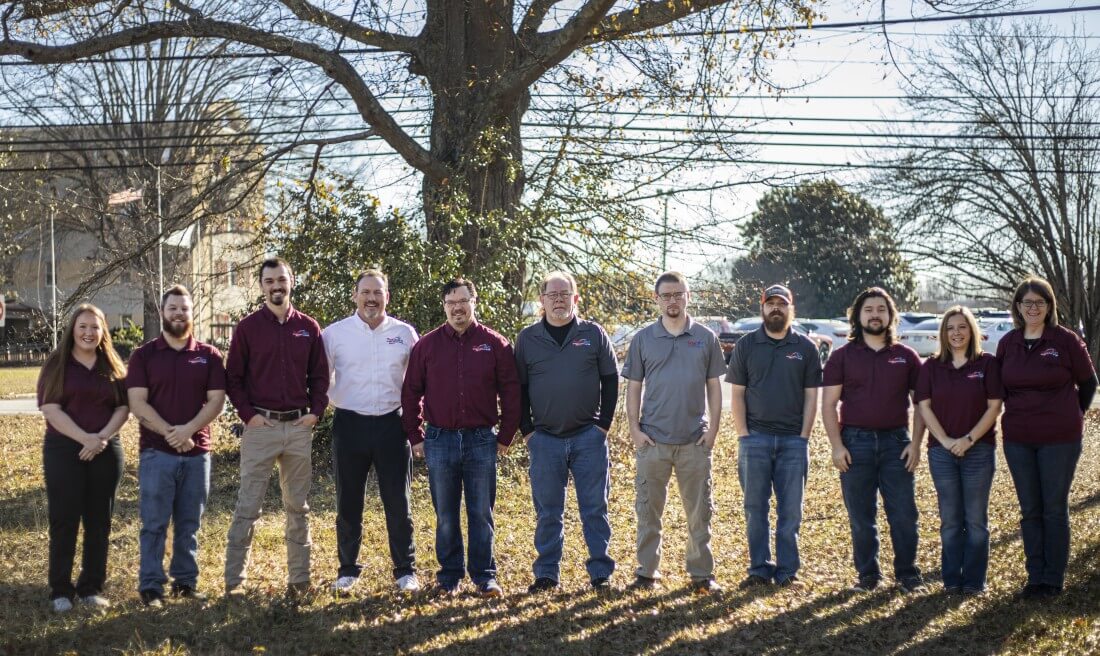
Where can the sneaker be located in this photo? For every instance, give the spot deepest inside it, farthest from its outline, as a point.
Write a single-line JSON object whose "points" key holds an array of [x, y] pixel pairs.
{"points": [[1050, 590], [913, 585], [952, 590], [235, 592], [298, 591], [445, 589], [644, 583], [1031, 591], [408, 583], [544, 583], [61, 604], [792, 581], [705, 587], [152, 598], [184, 591], [601, 584], [754, 581], [865, 584], [972, 592], [98, 602], [344, 584], [490, 589]]}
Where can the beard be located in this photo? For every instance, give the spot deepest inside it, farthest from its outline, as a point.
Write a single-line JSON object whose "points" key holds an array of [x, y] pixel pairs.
{"points": [[175, 330], [776, 322], [277, 300], [875, 330]]}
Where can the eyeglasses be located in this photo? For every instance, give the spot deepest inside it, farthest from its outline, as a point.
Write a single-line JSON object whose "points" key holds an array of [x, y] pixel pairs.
{"points": [[558, 296], [672, 296], [1034, 305], [461, 301]]}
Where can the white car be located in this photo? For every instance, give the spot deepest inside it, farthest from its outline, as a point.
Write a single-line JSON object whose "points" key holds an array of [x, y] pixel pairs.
{"points": [[923, 337], [992, 332]]}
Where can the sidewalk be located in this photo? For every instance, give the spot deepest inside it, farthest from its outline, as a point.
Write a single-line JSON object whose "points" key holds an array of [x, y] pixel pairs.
{"points": [[20, 406]]}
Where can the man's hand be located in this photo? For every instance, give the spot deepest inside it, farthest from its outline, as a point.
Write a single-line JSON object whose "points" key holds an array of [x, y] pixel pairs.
{"points": [[418, 450], [911, 456], [640, 438], [307, 420], [259, 421], [708, 438], [178, 436], [841, 458]]}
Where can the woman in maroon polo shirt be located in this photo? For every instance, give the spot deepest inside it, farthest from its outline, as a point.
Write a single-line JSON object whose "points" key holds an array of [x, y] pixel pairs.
{"points": [[1049, 382], [82, 398], [959, 395]]}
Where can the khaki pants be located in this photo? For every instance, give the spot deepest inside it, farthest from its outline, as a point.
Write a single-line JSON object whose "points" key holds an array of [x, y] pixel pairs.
{"points": [[655, 465], [261, 447]]}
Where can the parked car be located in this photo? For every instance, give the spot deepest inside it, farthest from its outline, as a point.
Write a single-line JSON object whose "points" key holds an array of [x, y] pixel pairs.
{"points": [[923, 337], [837, 329], [620, 339], [822, 340], [720, 326], [992, 332]]}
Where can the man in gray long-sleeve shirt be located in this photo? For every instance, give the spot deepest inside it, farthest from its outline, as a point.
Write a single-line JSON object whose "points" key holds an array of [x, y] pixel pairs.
{"points": [[569, 387]]}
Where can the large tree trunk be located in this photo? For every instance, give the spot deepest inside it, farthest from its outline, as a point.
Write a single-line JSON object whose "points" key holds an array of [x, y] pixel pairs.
{"points": [[472, 44]]}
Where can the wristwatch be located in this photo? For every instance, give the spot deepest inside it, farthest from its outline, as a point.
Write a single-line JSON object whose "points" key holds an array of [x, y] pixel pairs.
{"points": [[969, 438]]}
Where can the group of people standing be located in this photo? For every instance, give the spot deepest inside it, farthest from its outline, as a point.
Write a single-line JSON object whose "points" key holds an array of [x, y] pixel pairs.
{"points": [[457, 396]]}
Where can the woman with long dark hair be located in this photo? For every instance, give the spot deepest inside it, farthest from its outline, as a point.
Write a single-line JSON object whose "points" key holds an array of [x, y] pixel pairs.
{"points": [[1049, 382], [83, 399], [959, 395]]}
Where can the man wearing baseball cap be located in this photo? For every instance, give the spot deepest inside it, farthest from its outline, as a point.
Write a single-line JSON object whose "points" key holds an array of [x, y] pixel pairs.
{"points": [[776, 374]]}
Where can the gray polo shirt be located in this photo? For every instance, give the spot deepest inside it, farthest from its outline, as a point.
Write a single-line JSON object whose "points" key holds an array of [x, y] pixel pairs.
{"points": [[564, 381], [775, 377], [674, 370]]}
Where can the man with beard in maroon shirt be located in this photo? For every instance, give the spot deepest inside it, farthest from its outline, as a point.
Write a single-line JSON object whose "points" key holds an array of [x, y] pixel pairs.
{"points": [[176, 387]]}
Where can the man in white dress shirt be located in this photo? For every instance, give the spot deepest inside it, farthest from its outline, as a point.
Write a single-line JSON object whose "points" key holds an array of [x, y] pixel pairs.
{"points": [[367, 354]]}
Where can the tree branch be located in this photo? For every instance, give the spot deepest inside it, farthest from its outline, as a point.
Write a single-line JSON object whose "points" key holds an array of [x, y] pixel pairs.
{"points": [[311, 13], [335, 66], [536, 14], [646, 16]]}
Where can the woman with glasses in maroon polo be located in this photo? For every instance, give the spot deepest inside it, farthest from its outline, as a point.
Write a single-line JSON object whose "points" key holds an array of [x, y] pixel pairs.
{"points": [[959, 395], [82, 398], [1049, 383]]}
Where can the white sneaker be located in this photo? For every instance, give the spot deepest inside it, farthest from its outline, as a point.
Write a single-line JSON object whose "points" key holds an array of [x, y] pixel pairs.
{"points": [[344, 584], [408, 583], [98, 602], [61, 605]]}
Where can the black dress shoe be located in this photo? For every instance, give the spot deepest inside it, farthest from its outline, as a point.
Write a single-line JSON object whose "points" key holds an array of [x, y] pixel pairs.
{"points": [[188, 592], [542, 584], [644, 583]]}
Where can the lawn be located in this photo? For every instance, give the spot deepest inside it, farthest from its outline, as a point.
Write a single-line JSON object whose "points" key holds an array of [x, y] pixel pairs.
{"points": [[17, 380], [823, 619]]}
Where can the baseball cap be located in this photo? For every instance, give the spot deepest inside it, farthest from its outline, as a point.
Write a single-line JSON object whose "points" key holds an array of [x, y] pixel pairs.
{"points": [[780, 291]]}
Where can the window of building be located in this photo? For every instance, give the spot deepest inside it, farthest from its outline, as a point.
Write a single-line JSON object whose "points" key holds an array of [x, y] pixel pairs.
{"points": [[49, 276], [126, 320]]}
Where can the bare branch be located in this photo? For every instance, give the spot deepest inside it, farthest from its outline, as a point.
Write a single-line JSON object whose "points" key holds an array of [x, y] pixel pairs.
{"points": [[311, 13]]}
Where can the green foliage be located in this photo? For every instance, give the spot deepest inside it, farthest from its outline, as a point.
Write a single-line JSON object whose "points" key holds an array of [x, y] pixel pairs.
{"points": [[827, 244], [126, 338]]}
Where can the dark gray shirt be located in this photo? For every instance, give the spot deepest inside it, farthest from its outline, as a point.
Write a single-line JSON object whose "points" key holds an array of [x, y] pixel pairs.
{"points": [[674, 370], [563, 380], [775, 377]]}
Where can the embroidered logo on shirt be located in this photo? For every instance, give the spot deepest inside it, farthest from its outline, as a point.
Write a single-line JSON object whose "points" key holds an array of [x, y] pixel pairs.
{"points": [[582, 341], [1049, 353], [394, 340], [794, 355], [482, 347], [897, 360], [198, 359], [300, 333], [976, 375], [695, 343]]}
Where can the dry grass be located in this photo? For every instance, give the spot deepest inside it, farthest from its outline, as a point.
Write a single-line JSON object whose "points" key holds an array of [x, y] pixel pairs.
{"points": [[823, 619], [17, 380]]}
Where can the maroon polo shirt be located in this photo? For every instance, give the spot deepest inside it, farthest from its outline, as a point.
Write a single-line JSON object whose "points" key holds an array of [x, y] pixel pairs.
{"points": [[177, 382], [1040, 385], [876, 384], [460, 378], [87, 396], [960, 396], [277, 366]]}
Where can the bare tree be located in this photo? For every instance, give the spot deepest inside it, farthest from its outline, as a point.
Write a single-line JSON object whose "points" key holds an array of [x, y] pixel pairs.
{"points": [[154, 117], [1013, 190]]}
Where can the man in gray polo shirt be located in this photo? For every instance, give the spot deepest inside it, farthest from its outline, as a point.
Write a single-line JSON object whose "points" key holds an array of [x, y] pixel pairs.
{"points": [[569, 386], [679, 363], [776, 374]]}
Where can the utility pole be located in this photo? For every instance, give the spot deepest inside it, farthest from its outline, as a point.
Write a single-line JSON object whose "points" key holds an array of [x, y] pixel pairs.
{"points": [[53, 275], [664, 233], [160, 241]]}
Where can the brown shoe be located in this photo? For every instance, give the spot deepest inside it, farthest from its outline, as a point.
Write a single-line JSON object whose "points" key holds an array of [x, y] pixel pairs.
{"points": [[705, 587], [299, 591]]}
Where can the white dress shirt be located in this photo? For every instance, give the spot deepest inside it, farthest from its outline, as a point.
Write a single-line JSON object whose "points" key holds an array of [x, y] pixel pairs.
{"points": [[367, 366]]}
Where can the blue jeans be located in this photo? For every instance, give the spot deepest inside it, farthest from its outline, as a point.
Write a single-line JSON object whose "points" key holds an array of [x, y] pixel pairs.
{"points": [[462, 461], [1043, 474], [171, 487], [764, 463], [553, 459], [877, 468], [962, 487]]}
